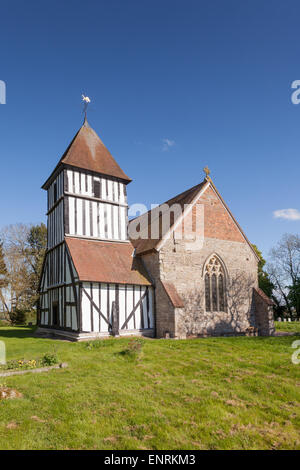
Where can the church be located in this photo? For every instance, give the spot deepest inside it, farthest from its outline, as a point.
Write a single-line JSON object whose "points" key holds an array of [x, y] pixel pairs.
{"points": [[183, 269]]}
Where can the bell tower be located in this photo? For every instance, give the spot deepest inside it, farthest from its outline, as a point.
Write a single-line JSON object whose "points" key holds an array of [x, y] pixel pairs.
{"points": [[91, 285], [87, 192]]}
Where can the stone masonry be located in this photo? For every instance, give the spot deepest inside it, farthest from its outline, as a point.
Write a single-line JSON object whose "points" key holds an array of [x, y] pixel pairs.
{"points": [[264, 318], [182, 262]]}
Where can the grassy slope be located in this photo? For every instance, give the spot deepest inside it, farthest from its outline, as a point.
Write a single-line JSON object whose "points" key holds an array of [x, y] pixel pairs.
{"points": [[214, 393]]}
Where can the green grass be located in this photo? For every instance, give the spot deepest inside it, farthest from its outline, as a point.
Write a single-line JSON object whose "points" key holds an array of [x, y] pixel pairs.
{"points": [[292, 327], [213, 393]]}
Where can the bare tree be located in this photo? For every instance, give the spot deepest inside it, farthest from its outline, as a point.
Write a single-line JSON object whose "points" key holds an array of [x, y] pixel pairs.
{"points": [[284, 271], [14, 243], [3, 280], [24, 247]]}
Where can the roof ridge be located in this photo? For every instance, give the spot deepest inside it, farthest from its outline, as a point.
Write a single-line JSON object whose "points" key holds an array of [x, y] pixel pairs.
{"points": [[185, 198], [99, 240], [116, 261], [184, 193]]}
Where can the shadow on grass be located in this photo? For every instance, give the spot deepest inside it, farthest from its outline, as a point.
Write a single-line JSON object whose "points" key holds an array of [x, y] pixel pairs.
{"points": [[20, 332]]}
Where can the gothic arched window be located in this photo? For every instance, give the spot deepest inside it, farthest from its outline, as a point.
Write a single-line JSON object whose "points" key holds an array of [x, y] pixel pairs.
{"points": [[214, 280]]}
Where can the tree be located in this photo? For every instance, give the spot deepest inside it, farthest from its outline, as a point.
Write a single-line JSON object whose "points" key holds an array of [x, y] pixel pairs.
{"points": [[294, 295], [24, 250], [3, 277], [264, 282], [284, 272], [35, 252], [14, 239]]}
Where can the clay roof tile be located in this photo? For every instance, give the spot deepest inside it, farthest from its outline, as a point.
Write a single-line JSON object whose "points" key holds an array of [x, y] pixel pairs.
{"points": [[173, 295], [109, 262], [88, 152]]}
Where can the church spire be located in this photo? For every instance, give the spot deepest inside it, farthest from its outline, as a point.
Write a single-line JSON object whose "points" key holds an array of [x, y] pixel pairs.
{"points": [[87, 152]]}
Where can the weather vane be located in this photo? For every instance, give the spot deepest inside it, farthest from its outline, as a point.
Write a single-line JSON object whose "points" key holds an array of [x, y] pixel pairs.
{"points": [[86, 101], [207, 172]]}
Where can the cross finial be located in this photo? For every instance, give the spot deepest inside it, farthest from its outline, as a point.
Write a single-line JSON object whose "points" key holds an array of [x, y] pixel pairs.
{"points": [[207, 172], [86, 101]]}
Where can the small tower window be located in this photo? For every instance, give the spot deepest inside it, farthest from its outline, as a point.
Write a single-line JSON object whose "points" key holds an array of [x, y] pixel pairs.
{"points": [[55, 193], [214, 280], [55, 314], [96, 188]]}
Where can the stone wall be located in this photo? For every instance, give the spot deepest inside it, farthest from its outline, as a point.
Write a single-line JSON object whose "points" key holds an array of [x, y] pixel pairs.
{"points": [[264, 314], [181, 261], [164, 310], [185, 269], [218, 222]]}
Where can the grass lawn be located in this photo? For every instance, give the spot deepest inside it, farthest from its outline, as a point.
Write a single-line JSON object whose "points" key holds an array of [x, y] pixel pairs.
{"points": [[213, 393], [292, 327]]}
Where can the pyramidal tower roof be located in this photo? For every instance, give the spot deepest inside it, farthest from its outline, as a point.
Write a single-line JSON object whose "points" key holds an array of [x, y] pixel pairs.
{"points": [[88, 152]]}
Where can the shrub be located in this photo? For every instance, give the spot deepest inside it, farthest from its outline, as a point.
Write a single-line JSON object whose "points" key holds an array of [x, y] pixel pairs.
{"points": [[31, 317], [18, 317], [49, 359], [135, 345], [134, 348], [13, 364]]}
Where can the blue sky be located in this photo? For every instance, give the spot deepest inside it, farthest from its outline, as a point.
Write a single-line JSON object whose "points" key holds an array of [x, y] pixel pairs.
{"points": [[175, 85]]}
